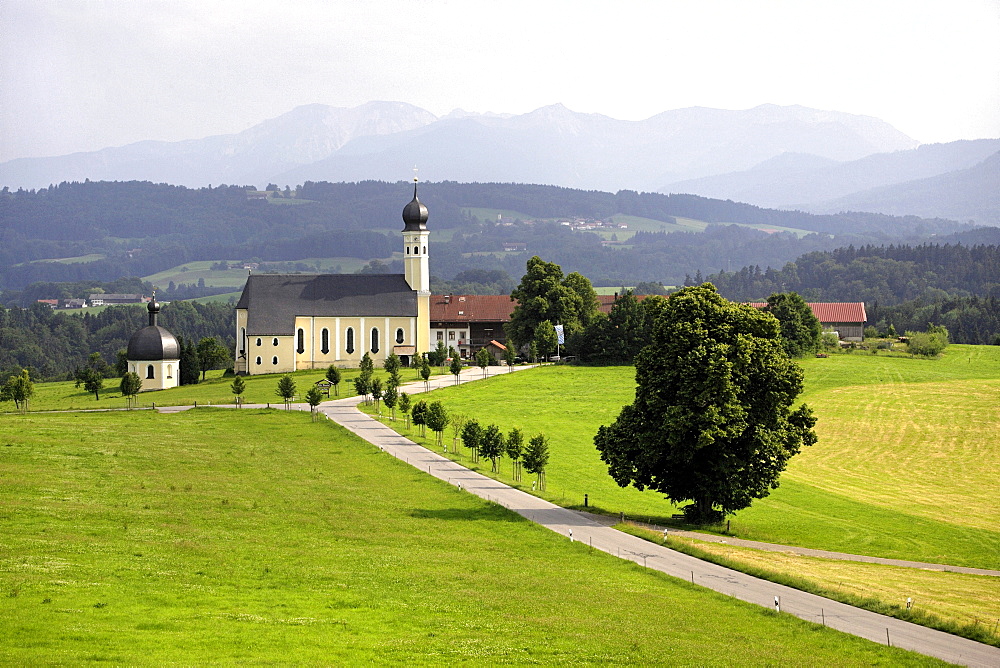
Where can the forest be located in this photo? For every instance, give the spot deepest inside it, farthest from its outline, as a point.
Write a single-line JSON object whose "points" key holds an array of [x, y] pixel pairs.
{"points": [[51, 344], [140, 228]]}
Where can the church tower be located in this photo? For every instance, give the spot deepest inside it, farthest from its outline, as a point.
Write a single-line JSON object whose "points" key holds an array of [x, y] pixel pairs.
{"points": [[416, 267]]}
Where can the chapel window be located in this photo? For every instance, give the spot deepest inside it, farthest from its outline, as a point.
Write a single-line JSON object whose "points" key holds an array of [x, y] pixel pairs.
{"points": [[274, 341], [324, 338], [259, 361], [149, 371], [258, 342], [274, 360], [301, 341], [399, 335], [375, 339], [350, 340]]}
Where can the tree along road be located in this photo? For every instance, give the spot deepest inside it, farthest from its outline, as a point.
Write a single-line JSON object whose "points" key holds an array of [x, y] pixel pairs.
{"points": [[579, 527]]}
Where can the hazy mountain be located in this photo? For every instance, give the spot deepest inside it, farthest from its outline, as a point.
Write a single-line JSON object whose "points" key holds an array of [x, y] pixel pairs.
{"points": [[301, 136], [971, 194], [551, 145], [803, 181]]}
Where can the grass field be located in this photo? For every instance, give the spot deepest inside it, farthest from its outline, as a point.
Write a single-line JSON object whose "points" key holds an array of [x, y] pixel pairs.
{"points": [[905, 466], [953, 602], [222, 536], [190, 272]]}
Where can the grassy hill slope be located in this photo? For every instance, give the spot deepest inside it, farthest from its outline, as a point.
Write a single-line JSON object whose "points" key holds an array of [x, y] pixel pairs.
{"points": [[218, 536]]}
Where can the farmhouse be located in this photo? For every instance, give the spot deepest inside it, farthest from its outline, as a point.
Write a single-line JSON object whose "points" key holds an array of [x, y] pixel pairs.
{"points": [[288, 322], [847, 318]]}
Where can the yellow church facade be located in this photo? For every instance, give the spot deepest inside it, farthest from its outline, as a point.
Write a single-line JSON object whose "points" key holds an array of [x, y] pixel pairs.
{"points": [[291, 322]]}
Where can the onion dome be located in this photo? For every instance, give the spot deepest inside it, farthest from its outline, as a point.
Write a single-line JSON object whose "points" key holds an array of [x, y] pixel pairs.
{"points": [[415, 213], [153, 342]]}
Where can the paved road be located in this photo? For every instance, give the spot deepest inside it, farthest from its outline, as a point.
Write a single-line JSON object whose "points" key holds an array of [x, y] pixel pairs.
{"points": [[583, 528]]}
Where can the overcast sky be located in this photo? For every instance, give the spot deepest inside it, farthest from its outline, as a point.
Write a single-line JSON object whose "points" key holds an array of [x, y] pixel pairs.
{"points": [[83, 75]]}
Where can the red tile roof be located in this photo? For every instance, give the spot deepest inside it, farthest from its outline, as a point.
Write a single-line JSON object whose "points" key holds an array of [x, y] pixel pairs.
{"points": [[832, 312], [471, 308]]}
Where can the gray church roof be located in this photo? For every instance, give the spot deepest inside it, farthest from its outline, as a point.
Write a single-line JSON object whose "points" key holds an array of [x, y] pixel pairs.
{"points": [[274, 300]]}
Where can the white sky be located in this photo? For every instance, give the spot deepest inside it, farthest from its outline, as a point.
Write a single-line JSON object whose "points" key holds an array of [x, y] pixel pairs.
{"points": [[79, 75]]}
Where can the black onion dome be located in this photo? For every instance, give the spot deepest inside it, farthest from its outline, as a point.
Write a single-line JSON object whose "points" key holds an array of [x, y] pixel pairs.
{"points": [[415, 214], [153, 343]]}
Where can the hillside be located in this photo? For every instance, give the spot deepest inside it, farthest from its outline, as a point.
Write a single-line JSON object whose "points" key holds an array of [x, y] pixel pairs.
{"points": [[552, 145], [140, 229]]}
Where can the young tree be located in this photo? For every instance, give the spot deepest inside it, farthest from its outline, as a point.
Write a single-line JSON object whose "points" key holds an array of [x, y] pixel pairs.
{"points": [[390, 397], [333, 375], [93, 381], [121, 363], [509, 357], [472, 436], [712, 420], [425, 373], [483, 360], [314, 397], [457, 424], [801, 331], [238, 387], [392, 365], [362, 386], [375, 387], [437, 420], [211, 355], [18, 389], [404, 407], [455, 368], [419, 413], [367, 365], [546, 338], [130, 387], [492, 446], [440, 354], [536, 458], [286, 389], [515, 450]]}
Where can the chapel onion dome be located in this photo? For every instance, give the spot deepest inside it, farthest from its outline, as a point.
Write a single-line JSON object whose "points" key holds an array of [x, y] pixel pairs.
{"points": [[153, 342], [415, 214]]}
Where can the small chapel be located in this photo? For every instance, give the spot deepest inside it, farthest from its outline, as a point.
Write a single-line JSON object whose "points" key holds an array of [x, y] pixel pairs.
{"points": [[154, 354], [291, 322]]}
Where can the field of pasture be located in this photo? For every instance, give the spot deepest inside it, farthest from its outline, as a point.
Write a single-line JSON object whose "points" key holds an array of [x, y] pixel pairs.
{"points": [[224, 536], [905, 466]]}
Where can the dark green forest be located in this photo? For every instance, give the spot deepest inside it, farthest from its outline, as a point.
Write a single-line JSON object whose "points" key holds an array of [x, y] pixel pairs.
{"points": [[142, 228], [52, 344]]}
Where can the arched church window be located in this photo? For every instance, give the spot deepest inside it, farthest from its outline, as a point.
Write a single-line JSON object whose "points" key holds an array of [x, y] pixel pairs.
{"points": [[274, 341], [407, 250], [274, 360], [350, 340], [325, 341], [416, 250], [243, 340], [399, 335], [301, 341], [149, 371], [374, 339], [258, 341], [170, 371], [425, 249], [259, 360]]}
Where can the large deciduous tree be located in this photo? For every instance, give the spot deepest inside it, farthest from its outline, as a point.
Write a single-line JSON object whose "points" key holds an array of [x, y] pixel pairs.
{"points": [[801, 331], [211, 355], [712, 420], [544, 294]]}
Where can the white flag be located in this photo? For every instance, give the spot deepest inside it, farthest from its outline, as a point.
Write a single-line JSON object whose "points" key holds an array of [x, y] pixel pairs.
{"points": [[559, 333]]}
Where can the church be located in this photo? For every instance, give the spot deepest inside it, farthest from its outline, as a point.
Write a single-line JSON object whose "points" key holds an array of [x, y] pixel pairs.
{"points": [[291, 322]]}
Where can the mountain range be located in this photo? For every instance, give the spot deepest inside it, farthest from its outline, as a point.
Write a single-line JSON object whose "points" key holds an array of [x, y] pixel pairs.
{"points": [[775, 156]]}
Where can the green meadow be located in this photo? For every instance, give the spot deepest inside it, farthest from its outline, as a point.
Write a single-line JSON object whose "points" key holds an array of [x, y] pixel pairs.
{"points": [[905, 466], [256, 536]]}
